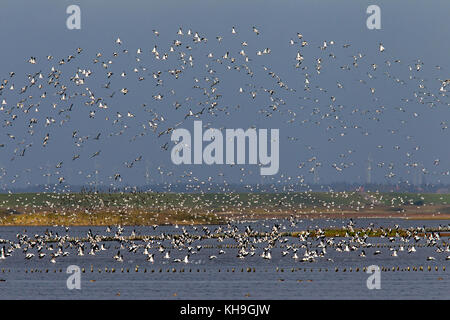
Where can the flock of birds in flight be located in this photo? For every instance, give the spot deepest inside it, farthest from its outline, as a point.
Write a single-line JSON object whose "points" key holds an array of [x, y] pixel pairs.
{"points": [[53, 105], [185, 78]]}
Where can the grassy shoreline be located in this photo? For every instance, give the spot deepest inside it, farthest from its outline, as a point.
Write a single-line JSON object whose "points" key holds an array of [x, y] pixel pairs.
{"points": [[46, 209]]}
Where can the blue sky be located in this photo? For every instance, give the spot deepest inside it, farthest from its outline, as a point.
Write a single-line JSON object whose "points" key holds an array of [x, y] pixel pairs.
{"points": [[413, 32]]}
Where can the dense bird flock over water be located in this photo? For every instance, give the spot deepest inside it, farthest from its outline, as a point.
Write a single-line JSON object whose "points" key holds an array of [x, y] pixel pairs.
{"points": [[238, 240]]}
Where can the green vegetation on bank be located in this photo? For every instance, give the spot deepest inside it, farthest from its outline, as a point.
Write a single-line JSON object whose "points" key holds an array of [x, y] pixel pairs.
{"points": [[160, 208], [215, 200]]}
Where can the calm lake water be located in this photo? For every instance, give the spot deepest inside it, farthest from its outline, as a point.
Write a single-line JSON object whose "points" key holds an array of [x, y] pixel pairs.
{"points": [[228, 277]]}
